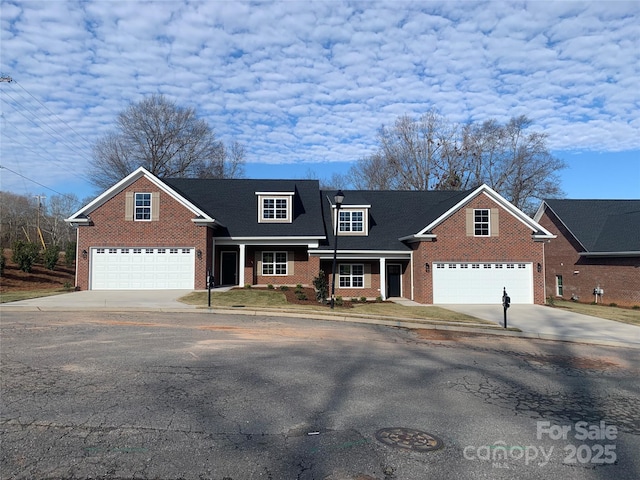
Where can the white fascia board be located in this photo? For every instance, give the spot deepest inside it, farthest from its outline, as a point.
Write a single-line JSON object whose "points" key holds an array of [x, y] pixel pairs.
{"points": [[310, 242], [631, 253], [362, 254], [276, 193], [130, 179], [417, 238], [349, 207], [206, 222], [496, 197]]}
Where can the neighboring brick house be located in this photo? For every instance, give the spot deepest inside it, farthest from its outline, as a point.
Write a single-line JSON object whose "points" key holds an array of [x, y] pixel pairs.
{"points": [[432, 247], [597, 249]]}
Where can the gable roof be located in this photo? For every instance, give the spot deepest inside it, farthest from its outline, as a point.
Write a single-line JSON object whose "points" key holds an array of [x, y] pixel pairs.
{"points": [[602, 227], [399, 217], [234, 204], [392, 215], [82, 215]]}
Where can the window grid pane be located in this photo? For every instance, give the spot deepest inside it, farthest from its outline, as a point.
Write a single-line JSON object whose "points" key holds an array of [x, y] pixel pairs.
{"points": [[143, 206], [274, 263], [351, 276], [481, 222]]}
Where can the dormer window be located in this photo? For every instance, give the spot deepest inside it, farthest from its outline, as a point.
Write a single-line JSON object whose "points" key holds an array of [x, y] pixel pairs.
{"points": [[275, 207], [351, 221]]}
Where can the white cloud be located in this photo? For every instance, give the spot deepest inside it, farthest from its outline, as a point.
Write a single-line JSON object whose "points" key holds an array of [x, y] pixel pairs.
{"points": [[298, 81]]}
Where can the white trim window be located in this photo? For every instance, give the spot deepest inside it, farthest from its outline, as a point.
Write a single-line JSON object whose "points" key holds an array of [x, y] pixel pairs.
{"points": [[275, 207], [481, 222], [351, 221], [351, 275], [274, 263], [142, 210]]}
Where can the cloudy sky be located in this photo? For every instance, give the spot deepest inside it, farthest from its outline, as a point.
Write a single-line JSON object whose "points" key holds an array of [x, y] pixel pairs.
{"points": [[305, 85]]}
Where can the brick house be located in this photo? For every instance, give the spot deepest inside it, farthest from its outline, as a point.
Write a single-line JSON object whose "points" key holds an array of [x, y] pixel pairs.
{"points": [[432, 247], [597, 249]]}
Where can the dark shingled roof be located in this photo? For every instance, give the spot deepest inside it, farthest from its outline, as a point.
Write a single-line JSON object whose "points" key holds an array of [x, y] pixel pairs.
{"points": [[234, 203], [605, 226], [393, 215]]}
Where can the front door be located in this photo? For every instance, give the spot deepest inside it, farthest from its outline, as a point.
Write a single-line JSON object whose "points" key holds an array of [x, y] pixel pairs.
{"points": [[229, 268], [394, 275]]}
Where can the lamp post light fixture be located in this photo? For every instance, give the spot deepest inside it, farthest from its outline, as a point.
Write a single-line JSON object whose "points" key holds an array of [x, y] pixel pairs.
{"points": [[338, 199]]}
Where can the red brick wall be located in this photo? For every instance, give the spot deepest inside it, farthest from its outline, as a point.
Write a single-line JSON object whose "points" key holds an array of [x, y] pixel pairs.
{"points": [[513, 244], [371, 292], [173, 229], [618, 277]]}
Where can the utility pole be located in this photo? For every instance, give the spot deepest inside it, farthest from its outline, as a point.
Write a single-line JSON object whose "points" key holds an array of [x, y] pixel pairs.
{"points": [[40, 199]]}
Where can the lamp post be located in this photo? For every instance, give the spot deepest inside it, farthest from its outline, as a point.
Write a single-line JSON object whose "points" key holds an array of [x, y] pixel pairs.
{"points": [[338, 199]]}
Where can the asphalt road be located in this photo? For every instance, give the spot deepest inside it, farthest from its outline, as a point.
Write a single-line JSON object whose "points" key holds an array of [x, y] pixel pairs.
{"points": [[190, 396]]}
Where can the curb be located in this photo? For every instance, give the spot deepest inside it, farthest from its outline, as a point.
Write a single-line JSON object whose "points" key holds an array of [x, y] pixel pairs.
{"points": [[410, 324]]}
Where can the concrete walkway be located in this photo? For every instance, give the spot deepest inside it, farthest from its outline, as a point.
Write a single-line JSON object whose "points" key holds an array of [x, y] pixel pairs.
{"points": [[553, 322], [107, 299]]}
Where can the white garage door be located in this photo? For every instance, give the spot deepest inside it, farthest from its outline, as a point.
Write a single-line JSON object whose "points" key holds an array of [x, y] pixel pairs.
{"points": [[455, 282], [142, 268]]}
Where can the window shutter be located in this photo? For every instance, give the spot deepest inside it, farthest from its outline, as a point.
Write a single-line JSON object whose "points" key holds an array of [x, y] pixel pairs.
{"points": [[155, 206], [495, 222], [259, 263], [128, 206], [469, 222], [290, 263], [367, 275]]}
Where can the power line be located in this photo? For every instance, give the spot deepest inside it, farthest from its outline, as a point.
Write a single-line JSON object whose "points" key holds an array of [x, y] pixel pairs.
{"points": [[37, 183]]}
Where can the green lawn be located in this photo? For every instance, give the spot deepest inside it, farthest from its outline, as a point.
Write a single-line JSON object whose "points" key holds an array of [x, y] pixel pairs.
{"points": [[256, 298], [28, 294], [623, 315]]}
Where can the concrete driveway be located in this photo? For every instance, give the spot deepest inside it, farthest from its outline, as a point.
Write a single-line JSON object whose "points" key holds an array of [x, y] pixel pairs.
{"points": [[109, 299], [553, 322]]}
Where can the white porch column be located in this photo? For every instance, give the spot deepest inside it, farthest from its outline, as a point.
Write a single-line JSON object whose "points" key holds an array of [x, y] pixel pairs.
{"points": [[383, 278], [241, 262]]}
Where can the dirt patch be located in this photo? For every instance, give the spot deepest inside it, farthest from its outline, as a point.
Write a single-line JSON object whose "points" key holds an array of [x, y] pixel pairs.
{"points": [[40, 278]]}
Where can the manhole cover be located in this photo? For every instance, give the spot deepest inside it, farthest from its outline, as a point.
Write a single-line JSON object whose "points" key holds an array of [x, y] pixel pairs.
{"points": [[409, 439]]}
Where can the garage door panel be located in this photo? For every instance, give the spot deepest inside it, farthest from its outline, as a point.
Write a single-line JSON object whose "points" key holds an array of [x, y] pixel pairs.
{"points": [[470, 283], [145, 269]]}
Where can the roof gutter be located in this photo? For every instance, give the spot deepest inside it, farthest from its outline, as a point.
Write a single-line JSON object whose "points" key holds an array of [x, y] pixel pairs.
{"points": [[631, 253]]}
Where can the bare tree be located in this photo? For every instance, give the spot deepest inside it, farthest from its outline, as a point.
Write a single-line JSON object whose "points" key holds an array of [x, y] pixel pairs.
{"points": [[432, 153], [60, 207], [168, 140], [512, 161]]}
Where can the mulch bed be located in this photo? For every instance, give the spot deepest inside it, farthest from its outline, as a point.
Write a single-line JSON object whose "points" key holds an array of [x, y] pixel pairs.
{"points": [[292, 297], [40, 278]]}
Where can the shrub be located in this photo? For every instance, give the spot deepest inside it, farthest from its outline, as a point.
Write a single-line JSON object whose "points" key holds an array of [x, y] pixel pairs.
{"points": [[322, 287], [613, 304], [284, 288], [635, 307], [354, 300], [67, 286], [247, 285], [551, 301], [301, 295], [379, 299], [70, 254], [339, 301], [270, 287], [363, 299], [2, 262], [25, 254], [299, 286], [51, 257]]}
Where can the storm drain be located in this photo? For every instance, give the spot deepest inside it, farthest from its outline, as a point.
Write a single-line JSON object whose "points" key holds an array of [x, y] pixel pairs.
{"points": [[409, 439]]}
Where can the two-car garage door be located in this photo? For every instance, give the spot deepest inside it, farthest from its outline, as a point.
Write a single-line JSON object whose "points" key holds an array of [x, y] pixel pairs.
{"points": [[142, 268], [455, 282]]}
